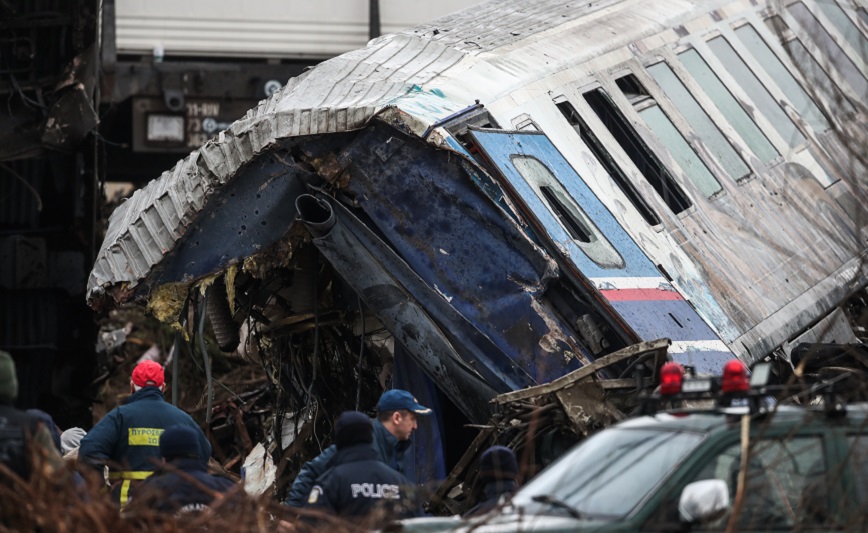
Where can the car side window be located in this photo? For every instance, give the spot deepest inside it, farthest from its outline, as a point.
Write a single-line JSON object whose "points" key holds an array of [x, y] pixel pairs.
{"points": [[857, 464], [785, 486]]}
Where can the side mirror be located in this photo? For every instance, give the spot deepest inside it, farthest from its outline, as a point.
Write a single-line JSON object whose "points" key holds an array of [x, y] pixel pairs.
{"points": [[704, 500]]}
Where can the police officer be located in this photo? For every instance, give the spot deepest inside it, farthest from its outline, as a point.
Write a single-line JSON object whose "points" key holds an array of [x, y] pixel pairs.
{"points": [[182, 484], [127, 439], [357, 481], [393, 430], [20, 432]]}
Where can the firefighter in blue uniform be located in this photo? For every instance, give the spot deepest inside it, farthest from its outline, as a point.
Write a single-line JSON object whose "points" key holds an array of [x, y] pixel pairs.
{"points": [[357, 481], [393, 429], [127, 439]]}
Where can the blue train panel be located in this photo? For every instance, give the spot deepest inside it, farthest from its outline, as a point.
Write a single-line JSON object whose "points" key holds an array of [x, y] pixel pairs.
{"points": [[585, 232]]}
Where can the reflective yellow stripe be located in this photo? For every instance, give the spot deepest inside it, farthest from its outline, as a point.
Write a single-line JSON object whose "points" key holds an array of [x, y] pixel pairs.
{"points": [[144, 436], [125, 492], [141, 474]]}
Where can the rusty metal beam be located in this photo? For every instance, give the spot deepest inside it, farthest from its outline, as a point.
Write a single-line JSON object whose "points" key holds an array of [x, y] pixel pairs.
{"points": [[634, 350]]}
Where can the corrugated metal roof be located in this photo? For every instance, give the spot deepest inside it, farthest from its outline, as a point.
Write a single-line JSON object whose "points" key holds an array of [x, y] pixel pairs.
{"points": [[490, 49]]}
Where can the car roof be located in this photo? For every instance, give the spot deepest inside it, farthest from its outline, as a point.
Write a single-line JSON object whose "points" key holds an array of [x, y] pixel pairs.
{"points": [[710, 420]]}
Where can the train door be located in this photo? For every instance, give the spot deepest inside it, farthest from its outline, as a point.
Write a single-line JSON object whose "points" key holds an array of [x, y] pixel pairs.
{"points": [[556, 200]]}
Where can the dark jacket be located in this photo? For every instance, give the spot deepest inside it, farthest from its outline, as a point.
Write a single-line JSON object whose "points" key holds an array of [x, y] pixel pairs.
{"points": [[490, 494], [128, 437], [388, 449], [18, 431], [171, 488], [357, 482]]}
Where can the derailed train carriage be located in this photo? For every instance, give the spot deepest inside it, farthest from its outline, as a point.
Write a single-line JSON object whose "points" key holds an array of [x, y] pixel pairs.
{"points": [[505, 196]]}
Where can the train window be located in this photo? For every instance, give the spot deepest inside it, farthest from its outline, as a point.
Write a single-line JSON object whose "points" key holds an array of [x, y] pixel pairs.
{"points": [[665, 130], [637, 150], [842, 22], [523, 122], [581, 230], [818, 80], [608, 163], [803, 103], [728, 106], [764, 101], [830, 48], [699, 120]]}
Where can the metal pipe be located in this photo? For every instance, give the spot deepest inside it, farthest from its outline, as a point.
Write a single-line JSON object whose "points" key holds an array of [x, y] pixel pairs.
{"points": [[373, 19]]}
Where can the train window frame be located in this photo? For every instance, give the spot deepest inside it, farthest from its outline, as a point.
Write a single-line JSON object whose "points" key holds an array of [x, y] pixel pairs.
{"points": [[524, 122], [819, 76], [826, 9], [744, 76], [729, 106], [713, 142], [663, 179], [606, 161], [568, 213], [812, 115], [661, 125], [828, 45]]}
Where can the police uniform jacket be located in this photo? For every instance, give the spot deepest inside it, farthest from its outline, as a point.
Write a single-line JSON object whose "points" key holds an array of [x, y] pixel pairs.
{"points": [[18, 430], [179, 486], [128, 437], [387, 448], [357, 482]]}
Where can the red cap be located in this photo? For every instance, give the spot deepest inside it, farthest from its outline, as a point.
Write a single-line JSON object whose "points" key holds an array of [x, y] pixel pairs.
{"points": [[148, 373]]}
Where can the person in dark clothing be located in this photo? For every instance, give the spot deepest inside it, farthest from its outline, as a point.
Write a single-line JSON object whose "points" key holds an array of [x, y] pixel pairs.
{"points": [[393, 431], [127, 439], [498, 471], [182, 484], [21, 435], [48, 421], [357, 482]]}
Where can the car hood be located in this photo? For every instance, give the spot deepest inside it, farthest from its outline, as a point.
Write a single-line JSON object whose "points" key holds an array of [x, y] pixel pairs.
{"points": [[502, 522]]}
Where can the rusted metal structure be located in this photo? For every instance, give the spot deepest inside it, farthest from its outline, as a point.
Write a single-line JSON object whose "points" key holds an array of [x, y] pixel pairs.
{"points": [[496, 199]]}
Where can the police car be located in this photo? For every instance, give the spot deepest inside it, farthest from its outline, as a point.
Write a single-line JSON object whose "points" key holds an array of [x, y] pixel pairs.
{"points": [[743, 464]]}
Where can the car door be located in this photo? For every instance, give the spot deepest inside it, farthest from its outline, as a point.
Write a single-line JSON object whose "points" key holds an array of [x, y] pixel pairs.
{"points": [[789, 485], [556, 200]]}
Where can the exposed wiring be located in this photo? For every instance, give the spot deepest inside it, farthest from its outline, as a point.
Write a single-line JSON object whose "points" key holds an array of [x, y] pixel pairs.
{"points": [[206, 359], [26, 184], [361, 354]]}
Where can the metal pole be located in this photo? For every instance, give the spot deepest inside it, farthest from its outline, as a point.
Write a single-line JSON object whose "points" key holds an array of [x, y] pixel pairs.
{"points": [[374, 19]]}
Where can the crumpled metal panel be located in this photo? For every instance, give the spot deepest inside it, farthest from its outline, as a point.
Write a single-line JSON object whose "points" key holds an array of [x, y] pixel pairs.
{"points": [[312, 104]]}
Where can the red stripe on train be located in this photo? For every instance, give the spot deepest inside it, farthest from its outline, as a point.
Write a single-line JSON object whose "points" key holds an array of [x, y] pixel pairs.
{"points": [[622, 295]]}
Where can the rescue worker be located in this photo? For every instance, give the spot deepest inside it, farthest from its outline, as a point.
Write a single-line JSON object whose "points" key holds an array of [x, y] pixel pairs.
{"points": [[496, 481], [393, 429], [182, 484], [20, 432], [127, 439], [357, 481]]}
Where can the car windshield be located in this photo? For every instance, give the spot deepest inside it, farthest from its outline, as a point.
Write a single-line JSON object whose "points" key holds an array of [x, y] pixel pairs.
{"points": [[609, 473]]}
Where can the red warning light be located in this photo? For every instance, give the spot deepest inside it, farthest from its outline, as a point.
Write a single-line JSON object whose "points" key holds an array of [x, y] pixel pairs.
{"points": [[671, 378], [735, 378]]}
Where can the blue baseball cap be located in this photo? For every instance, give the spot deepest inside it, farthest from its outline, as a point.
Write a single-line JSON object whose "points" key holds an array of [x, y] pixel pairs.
{"points": [[397, 399]]}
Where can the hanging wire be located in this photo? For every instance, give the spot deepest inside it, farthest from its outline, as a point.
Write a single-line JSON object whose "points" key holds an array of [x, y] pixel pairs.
{"points": [[361, 354], [315, 349], [207, 360], [176, 354]]}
